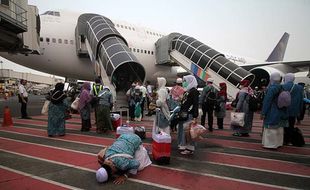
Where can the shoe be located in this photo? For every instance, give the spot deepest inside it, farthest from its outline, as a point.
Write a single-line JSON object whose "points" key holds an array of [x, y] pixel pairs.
{"points": [[181, 148], [187, 152], [236, 134]]}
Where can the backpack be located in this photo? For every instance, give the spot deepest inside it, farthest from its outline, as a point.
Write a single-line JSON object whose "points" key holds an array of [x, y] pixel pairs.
{"points": [[284, 98], [253, 103], [211, 96]]}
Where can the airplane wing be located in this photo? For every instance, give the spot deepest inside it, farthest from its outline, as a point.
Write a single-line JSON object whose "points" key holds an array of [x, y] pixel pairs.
{"points": [[294, 64]]}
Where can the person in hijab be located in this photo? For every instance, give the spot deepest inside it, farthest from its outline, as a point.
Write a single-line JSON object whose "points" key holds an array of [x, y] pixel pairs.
{"points": [[161, 102], [275, 119], [221, 99], [295, 108], [105, 105], [131, 101], [243, 106], [207, 101], [189, 104], [56, 111], [175, 98], [85, 106]]}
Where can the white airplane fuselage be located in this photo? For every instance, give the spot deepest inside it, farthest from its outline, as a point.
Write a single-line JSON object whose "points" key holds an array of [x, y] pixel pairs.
{"points": [[61, 58], [58, 54]]}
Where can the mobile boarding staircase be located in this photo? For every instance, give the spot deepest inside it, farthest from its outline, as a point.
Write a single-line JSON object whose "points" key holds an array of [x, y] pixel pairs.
{"points": [[200, 60]]}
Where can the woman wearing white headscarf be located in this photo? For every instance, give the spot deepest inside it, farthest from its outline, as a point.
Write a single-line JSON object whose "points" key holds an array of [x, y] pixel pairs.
{"points": [[295, 108], [274, 118], [161, 102], [189, 104]]}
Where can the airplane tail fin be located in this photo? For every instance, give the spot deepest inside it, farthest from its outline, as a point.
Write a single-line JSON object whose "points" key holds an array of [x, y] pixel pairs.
{"points": [[278, 52]]}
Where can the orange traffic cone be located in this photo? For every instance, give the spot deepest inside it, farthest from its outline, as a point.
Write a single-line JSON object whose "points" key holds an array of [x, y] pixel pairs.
{"points": [[7, 119]]}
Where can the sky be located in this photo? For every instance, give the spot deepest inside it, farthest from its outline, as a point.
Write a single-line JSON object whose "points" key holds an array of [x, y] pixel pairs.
{"points": [[248, 28]]}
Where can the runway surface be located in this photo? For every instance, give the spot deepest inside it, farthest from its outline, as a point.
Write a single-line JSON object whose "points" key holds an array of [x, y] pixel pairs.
{"points": [[31, 160]]}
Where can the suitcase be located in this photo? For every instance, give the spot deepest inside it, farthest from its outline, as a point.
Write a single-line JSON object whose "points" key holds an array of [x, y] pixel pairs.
{"points": [[140, 131], [161, 144], [124, 129], [116, 120]]}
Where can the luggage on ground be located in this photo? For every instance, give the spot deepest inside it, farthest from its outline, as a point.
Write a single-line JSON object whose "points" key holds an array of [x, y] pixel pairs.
{"points": [[123, 129], [161, 144]]}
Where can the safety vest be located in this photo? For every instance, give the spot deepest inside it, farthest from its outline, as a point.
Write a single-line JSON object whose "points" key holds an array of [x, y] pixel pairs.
{"points": [[97, 89]]}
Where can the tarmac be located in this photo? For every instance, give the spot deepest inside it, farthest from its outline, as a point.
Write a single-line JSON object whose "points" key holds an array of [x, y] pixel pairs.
{"points": [[29, 159]]}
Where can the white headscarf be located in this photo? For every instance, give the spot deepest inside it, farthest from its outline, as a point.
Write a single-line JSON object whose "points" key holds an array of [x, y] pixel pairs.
{"points": [[275, 78], [192, 82], [289, 77], [162, 96], [162, 91]]}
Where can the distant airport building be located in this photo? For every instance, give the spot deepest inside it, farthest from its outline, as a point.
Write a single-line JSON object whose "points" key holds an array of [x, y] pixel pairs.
{"points": [[37, 84], [19, 27]]}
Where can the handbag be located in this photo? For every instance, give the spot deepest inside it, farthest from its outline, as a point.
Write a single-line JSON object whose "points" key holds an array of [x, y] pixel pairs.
{"points": [[75, 103], [44, 110], [183, 115], [237, 119]]}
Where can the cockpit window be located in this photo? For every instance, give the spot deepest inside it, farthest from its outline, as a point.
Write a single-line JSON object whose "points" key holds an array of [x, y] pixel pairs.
{"points": [[53, 13]]}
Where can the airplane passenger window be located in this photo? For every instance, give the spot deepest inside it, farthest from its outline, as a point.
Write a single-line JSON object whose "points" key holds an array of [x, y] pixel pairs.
{"points": [[152, 52], [66, 41], [138, 50], [41, 39], [134, 49], [71, 42], [56, 14], [117, 25], [141, 50], [147, 32], [53, 40], [125, 27], [145, 51], [47, 40], [122, 26], [129, 27], [60, 41], [133, 29], [148, 52], [130, 49]]}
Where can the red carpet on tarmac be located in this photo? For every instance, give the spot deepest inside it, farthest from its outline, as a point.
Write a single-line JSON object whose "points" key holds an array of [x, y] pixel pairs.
{"points": [[32, 160]]}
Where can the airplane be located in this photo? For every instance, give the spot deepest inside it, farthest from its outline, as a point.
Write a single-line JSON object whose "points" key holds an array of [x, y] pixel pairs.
{"points": [[69, 48]]}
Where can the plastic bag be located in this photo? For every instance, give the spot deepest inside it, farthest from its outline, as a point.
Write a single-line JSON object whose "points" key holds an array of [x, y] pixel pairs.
{"points": [[237, 119], [75, 104], [196, 131]]}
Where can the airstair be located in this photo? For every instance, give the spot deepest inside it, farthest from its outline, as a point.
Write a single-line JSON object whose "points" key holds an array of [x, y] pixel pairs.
{"points": [[200, 60], [111, 57]]}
